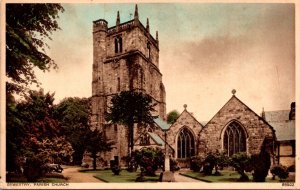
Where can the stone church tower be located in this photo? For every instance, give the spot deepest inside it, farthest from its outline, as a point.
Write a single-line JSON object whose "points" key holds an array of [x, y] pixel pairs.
{"points": [[125, 57]]}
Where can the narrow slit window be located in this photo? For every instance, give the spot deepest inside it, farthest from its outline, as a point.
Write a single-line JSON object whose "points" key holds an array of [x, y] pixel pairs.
{"points": [[119, 84], [118, 44], [148, 50]]}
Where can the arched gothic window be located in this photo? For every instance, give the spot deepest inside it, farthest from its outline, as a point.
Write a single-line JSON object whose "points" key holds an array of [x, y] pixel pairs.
{"points": [[185, 144], [234, 139]]}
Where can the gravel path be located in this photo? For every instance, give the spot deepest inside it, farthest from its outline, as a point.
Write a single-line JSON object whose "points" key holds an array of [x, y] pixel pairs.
{"points": [[74, 176]]}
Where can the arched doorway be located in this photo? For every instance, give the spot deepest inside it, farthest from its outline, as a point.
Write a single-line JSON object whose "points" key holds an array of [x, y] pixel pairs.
{"points": [[234, 139], [185, 144]]}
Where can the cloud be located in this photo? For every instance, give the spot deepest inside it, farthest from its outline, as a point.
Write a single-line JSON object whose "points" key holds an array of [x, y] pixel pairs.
{"points": [[259, 62], [71, 49], [205, 52]]}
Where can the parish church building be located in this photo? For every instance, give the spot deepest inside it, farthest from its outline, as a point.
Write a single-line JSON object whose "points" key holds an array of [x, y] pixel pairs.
{"points": [[126, 57]]}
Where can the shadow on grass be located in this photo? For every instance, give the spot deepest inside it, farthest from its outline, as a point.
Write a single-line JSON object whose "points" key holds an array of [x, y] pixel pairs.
{"points": [[230, 177], [124, 177], [90, 170], [230, 180]]}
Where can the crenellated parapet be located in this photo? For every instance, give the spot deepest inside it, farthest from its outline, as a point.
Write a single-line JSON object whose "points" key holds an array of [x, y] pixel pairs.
{"points": [[100, 25], [129, 25]]}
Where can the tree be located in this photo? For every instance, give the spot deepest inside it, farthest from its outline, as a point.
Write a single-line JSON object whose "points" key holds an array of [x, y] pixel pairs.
{"points": [[261, 164], [15, 130], [149, 160], [221, 159], [33, 133], [128, 108], [73, 115], [209, 163], [27, 27], [172, 116], [56, 150], [241, 161], [28, 121], [96, 143], [196, 163], [36, 114], [280, 171]]}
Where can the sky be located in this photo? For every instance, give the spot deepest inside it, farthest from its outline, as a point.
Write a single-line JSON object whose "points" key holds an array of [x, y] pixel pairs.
{"points": [[206, 50]]}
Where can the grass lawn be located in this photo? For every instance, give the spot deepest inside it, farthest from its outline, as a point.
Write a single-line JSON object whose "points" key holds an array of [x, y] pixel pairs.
{"points": [[124, 177], [227, 176]]}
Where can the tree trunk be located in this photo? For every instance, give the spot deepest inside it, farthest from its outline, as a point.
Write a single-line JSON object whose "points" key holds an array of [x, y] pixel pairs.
{"points": [[217, 173], [94, 155], [243, 176], [130, 138], [129, 142]]}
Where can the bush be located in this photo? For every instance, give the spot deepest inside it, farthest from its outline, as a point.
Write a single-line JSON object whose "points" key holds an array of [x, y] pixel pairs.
{"points": [[240, 161], [116, 169], [221, 160], [207, 169], [280, 171], [217, 160], [32, 169], [131, 161], [149, 159], [85, 165], [196, 163], [261, 164], [141, 177], [291, 168], [209, 164]]}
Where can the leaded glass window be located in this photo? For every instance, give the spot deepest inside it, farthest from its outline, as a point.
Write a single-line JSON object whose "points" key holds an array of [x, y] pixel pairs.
{"points": [[234, 139], [185, 144]]}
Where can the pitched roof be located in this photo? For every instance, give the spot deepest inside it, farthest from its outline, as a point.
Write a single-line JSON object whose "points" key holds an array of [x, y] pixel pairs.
{"points": [[235, 98], [162, 124], [156, 139], [189, 114], [279, 120], [277, 116], [284, 130]]}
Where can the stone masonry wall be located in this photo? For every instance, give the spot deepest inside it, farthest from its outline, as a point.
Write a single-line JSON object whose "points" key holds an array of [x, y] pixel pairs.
{"points": [[133, 39], [184, 120], [210, 137]]}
